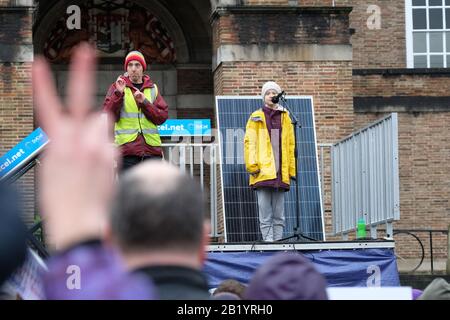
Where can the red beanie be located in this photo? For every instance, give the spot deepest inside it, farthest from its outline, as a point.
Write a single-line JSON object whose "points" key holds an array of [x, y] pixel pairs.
{"points": [[135, 55]]}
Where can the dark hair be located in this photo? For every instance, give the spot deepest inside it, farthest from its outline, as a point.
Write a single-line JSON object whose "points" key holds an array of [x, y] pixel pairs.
{"points": [[145, 218], [287, 276], [13, 247]]}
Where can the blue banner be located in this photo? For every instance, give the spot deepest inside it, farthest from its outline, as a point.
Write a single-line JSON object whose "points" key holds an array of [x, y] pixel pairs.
{"points": [[341, 268], [185, 127], [23, 152]]}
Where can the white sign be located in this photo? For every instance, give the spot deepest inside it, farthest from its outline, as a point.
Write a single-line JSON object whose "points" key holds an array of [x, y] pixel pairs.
{"points": [[373, 293]]}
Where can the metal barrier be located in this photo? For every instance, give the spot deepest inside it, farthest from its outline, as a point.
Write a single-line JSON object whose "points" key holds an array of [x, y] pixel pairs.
{"points": [[36, 239], [365, 178], [416, 238], [199, 159]]}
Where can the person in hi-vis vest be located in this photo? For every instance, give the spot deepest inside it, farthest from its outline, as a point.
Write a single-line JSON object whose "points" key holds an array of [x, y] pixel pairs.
{"points": [[138, 108]]}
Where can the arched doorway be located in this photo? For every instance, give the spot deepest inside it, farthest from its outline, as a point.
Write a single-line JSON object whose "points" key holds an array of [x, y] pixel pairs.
{"points": [[174, 36]]}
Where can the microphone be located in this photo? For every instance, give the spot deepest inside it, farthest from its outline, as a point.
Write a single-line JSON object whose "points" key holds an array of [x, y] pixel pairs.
{"points": [[276, 99]]}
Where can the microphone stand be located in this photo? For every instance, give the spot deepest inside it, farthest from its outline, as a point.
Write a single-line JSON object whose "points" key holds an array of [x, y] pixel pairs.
{"points": [[297, 234]]}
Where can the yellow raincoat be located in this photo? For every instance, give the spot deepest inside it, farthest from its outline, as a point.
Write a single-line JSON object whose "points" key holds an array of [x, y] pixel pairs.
{"points": [[258, 153]]}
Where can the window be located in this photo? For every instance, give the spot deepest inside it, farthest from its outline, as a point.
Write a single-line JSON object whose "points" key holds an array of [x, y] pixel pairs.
{"points": [[428, 33]]}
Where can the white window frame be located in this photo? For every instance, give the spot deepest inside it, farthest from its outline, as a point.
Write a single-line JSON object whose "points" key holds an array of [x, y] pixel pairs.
{"points": [[409, 35]]}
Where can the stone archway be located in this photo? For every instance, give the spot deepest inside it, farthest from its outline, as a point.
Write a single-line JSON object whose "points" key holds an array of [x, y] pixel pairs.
{"points": [[47, 20], [186, 23]]}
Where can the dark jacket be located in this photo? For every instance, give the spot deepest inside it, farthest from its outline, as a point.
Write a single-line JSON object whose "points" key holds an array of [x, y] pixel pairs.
{"points": [[438, 289], [287, 276], [13, 247], [178, 283]]}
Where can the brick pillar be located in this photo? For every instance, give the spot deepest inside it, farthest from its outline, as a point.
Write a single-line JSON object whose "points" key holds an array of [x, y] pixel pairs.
{"points": [[16, 101], [305, 49]]}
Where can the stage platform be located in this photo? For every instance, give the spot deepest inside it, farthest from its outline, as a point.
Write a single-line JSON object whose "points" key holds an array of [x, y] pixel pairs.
{"points": [[343, 263], [284, 246]]}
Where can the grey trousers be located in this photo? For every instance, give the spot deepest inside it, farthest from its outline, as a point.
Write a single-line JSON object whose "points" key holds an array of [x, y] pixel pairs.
{"points": [[271, 213]]}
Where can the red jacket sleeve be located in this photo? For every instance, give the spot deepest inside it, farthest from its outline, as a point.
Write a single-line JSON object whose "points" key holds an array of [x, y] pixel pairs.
{"points": [[113, 102], [156, 112]]}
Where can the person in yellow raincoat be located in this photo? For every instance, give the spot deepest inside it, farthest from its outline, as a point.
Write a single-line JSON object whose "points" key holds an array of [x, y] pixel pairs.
{"points": [[269, 145]]}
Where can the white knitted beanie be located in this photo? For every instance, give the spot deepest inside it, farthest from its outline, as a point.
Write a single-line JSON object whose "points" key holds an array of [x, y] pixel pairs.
{"points": [[270, 85]]}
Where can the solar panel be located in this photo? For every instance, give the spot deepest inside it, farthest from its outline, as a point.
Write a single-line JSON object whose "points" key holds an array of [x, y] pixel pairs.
{"points": [[240, 204]]}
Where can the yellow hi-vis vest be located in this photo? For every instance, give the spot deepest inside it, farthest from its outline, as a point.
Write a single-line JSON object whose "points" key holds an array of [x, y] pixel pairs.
{"points": [[133, 121]]}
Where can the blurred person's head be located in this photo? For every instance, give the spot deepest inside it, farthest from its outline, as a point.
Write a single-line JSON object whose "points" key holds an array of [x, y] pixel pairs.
{"points": [[438, 289], [230, 286], [13, 249], [158, 217], [226, 296], [287, 276]]}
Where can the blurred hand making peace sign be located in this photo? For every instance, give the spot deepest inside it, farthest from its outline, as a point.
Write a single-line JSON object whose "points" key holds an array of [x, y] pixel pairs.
{"points": [[76, 180]]}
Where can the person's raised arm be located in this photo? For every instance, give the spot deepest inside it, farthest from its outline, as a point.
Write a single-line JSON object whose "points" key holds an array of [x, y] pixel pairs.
{"points": [[156, 112], [114, 98], [76, 179], [76, 184]]}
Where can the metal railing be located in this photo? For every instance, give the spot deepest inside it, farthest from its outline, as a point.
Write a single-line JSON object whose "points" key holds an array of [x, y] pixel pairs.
{"points": [[199, 160], [365, 178], [36, 239], [412, 233]]}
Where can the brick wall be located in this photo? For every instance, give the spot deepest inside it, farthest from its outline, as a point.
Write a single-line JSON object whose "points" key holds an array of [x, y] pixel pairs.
{"points": [[372, 48], [430, 85], [318, 27], [324, 154], [16, 106], [16, 112], [330, 84], [378, 48], [195, 81], [15, 27]]}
